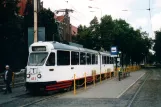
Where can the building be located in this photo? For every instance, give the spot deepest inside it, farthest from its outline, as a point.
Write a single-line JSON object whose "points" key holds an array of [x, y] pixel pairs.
{"points": [[74, 30], [66, 30], [22, 5]]}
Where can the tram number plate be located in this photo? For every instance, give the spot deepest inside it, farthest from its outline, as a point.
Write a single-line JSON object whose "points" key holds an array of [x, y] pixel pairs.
{"points": [[33, 78]]}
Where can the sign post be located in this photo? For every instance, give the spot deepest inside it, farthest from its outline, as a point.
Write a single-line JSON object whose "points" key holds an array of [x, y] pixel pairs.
{"points": [[114, 53]]}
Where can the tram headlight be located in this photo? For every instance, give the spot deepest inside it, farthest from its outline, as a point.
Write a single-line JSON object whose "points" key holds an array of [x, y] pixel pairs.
{"points": [[28, 75], [39, 76]]}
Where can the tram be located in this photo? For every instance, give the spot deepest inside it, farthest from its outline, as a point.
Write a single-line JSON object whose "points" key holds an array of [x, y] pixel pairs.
{"points": [[52, 65]]}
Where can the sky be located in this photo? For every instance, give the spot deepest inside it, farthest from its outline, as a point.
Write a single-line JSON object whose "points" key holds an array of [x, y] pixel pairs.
{"points": [[137, 15]]}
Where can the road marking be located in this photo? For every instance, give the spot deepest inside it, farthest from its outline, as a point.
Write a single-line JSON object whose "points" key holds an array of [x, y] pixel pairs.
{"points": [[129, 86]]}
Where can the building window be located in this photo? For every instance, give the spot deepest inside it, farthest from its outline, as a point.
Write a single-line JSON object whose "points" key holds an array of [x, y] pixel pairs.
{"points": [[63, 58]]}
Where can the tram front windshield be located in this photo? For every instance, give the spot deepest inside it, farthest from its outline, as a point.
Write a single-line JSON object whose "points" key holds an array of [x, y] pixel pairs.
{"points": [[37, 59]]}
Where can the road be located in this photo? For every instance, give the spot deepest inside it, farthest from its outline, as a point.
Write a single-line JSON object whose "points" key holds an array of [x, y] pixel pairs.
{"points": [[149, 96]]}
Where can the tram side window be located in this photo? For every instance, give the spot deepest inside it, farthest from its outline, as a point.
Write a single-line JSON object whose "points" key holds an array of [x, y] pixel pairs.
{"points": [[75, 58], [93, 59], [103, 59], [51, 60], [108, 58], [88, 58], [96, 59], [63, 58], [112, 60], [82, 58]]}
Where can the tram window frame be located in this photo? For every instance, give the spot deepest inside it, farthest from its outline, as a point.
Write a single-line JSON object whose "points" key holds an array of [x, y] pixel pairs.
{"points": [[89, 60], [64, 59], [74, 58], [49, 59], [83, 58]]}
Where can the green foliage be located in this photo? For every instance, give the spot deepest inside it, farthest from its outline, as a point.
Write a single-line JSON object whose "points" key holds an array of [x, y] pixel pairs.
{"points": [[11, 33], [46, 19], [134, 44], [157, 46]]}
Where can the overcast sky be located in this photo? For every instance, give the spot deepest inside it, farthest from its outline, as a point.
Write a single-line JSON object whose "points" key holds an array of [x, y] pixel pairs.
{"points": [[137, 15]]}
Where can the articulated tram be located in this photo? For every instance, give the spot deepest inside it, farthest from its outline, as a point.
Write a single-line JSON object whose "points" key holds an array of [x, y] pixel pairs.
{"points": [[52, 65]]}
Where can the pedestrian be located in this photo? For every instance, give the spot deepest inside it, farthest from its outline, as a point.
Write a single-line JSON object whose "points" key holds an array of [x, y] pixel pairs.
{"points": [[7, 79]]}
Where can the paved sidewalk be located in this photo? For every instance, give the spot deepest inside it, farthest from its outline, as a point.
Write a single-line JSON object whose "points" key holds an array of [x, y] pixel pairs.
{"points": [[108, 88]]}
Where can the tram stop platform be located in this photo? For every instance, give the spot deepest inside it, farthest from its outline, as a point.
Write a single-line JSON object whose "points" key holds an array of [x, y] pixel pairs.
{"points": [[112, 88]]}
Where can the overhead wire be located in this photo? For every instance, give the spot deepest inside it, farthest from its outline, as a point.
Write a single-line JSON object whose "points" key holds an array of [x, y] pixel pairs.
{"points": [[150, 18]]}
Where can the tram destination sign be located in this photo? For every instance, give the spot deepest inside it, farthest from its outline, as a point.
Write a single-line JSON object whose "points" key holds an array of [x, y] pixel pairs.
{"points": [[38, 48]]}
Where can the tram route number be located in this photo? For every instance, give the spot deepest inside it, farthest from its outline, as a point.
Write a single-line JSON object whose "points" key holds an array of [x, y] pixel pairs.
{"points": [[33, 78]]}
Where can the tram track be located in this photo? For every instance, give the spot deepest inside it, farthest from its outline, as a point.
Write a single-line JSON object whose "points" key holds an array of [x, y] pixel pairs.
{"points": [[25, 100], [139, 89]]}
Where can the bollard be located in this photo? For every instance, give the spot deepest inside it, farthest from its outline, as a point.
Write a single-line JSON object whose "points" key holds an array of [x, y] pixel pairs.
{"points": [[74, 85], [100, 76], [85, 80], [105, 74], [13, 78], [93, 78]]}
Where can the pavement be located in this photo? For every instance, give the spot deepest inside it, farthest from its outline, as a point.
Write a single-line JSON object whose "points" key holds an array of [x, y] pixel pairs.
{"points": [[108, 88], [12, 96], [108, 93]]}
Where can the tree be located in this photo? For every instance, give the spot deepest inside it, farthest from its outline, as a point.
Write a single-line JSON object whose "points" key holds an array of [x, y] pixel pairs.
{"points": [[11, 30], [46, 19], [157, 46], [134, 44]]}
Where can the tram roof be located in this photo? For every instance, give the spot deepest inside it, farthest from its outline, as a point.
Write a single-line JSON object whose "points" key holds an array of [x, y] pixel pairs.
{"points": [[61, 46]]}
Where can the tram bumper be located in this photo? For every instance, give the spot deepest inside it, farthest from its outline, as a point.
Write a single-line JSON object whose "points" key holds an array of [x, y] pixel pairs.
{"points": [[38, 86]]}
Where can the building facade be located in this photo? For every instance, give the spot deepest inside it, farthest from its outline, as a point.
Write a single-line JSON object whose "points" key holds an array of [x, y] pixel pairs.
{"points": [[66, 30], [22, 5]]}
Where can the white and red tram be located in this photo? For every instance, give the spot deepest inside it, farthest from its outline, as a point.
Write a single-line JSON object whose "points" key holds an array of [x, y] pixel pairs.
{"points": [[52, 65]]}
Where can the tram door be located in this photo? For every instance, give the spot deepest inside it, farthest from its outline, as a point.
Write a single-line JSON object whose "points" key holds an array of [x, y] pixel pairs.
{"points": [[50, 67], [103, 65], [75, 68]]}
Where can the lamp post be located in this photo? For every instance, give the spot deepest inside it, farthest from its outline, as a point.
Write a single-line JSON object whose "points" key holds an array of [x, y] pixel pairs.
{"points": [[35, 20]]}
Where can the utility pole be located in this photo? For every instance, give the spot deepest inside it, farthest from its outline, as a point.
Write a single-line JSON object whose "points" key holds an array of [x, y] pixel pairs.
{"points": [[35, 20], [66, 24]]}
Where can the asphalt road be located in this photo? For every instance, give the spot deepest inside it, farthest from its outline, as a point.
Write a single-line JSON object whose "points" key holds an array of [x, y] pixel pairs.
{"points": [[149, 96]]}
